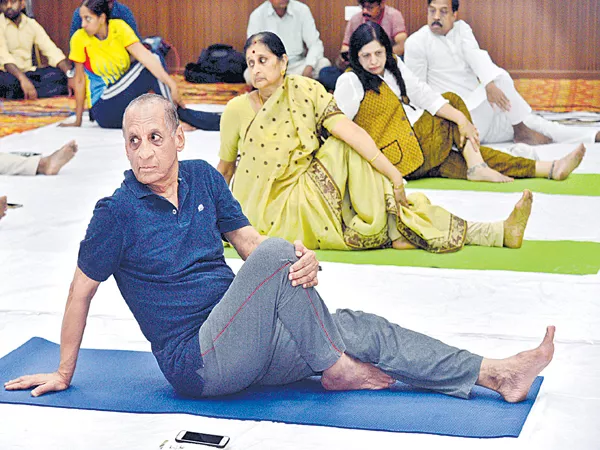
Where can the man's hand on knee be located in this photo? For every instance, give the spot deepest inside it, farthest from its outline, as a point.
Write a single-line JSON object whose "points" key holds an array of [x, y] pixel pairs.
{"points": [[497, 97], [304, 271]]}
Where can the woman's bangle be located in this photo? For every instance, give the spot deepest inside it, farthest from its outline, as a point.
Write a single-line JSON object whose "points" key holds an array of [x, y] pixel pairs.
{"points": [[397, 187], [372, 160]]}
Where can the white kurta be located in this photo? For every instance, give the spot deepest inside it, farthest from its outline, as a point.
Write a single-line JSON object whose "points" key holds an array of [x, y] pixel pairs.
{"points": [[456, 63], [296, 29]]}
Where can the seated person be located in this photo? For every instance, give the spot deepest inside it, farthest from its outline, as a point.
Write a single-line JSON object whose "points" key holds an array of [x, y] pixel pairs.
{"points": [[19, 78], [390, 19], [15, 164], [293, 22], [117, 11], [339, 194], [215, 333], [105, 80], [445, 54], [380, 93]]}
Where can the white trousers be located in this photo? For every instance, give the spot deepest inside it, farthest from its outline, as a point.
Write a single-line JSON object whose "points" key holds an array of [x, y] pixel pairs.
{"points": [[297, 68], [18, 165], [495, 125]]}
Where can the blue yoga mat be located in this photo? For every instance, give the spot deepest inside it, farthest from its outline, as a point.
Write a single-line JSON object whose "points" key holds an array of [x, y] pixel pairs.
{"points": [[126, 381]]}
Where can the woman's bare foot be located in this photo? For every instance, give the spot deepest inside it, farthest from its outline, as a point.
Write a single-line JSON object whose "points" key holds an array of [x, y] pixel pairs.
{"points": [[528, 136], [512, 377], [402, 244], [567, 164], [482, 172], [349, 374], [51, 165], [514, 226]]}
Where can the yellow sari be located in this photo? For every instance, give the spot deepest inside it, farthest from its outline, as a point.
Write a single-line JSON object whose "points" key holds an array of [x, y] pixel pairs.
{"points": [[294, 183]]}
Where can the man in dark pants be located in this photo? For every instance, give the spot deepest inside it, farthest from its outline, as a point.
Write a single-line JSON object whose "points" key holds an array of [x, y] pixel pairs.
{"points": [[19, 78]]}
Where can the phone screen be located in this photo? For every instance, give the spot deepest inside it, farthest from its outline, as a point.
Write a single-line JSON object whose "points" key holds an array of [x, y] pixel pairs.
{"points": [[203, 438]]}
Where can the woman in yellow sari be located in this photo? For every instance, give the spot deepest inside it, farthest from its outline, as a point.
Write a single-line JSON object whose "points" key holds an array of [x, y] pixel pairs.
{"points": [[305, 171]]}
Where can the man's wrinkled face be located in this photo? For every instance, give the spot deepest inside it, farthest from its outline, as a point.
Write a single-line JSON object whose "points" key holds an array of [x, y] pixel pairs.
{"points": [[151, 146], [440, 17], [11, 8]]}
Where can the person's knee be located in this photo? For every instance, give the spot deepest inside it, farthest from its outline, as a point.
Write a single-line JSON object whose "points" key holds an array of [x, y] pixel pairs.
{"points": [[275, 249]]}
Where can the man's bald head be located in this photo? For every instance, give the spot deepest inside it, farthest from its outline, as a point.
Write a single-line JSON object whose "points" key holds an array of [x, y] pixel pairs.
{"points": [[148, 100]]}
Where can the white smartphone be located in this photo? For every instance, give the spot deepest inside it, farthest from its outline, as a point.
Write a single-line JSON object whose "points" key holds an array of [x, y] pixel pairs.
{"points": [[202, 438]]}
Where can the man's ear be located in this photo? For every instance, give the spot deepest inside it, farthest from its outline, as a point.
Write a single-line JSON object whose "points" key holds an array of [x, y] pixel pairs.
{"points": [[179, 138]]}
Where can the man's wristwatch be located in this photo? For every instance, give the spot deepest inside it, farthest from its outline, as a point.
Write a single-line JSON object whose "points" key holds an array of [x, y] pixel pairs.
{"points": [[70, 73]]}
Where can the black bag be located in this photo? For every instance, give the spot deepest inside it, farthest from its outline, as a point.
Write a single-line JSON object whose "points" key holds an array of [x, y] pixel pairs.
{"points": [[219, 63]]}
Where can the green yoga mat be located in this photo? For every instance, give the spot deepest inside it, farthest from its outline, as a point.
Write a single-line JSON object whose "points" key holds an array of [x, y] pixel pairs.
{"points": [[577, 184], [561, 257]]}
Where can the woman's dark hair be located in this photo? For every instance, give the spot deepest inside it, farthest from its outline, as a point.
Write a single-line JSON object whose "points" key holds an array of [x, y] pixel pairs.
{"points": [[365, 34], [270, 40], [98, 7]]}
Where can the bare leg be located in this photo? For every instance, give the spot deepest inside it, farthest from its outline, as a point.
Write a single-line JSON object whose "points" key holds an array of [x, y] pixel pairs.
{"points": [[478, 170], [562, 167], [528, 136], [598, 136], [512, 377], [349, 374], [51, 165], [514, 226]]}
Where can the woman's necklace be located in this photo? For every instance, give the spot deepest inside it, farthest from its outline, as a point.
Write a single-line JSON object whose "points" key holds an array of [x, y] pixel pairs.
{"points": [[260, 99]]}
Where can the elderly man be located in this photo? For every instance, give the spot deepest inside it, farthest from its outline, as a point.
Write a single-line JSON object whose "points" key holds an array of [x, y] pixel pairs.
{"points": [[19, 78], [389, 18], [293, 22], [214, 333], [445, 54]]}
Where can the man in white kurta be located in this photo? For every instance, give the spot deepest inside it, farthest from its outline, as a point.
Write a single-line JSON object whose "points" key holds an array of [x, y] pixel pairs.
{"points": [[293, 22], [445, 54]]}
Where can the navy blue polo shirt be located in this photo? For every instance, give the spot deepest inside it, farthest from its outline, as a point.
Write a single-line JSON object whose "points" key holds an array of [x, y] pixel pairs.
{"points": [[168, 263]]}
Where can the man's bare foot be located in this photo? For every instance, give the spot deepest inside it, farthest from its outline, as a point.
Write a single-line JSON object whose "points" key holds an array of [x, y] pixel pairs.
{"points": [[567, 164], [514, 226], [528, 136], [512, 377], [349, 374], [482, 172], [51, 165], [3, 206]]}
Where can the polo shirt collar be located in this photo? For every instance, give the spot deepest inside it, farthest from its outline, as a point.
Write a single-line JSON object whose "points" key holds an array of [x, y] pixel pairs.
{"points": [[141, 190]]}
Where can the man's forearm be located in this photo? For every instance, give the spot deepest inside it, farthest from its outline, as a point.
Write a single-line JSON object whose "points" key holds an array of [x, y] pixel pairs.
{"points": [[81, 292], [15, 71], [64, 65]]}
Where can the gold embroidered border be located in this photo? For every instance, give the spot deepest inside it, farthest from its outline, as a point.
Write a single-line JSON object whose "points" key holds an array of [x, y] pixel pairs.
{"points": [[324, 182], [331, 110], [458, 232]]}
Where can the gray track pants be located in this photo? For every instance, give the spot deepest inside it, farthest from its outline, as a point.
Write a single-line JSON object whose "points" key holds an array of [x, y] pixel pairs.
{"points": [[264, 331]]}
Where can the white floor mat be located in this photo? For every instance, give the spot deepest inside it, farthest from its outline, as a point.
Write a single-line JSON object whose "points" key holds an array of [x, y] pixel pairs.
{"points": [[492, 313]]}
